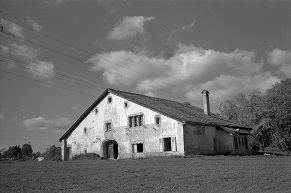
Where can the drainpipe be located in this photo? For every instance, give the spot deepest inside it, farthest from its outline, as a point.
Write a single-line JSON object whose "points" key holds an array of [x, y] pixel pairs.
{"points": [[206, 105]]}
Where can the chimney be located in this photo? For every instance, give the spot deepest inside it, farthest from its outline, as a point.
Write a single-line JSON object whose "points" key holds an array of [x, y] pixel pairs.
{"points": [[206, 105]]}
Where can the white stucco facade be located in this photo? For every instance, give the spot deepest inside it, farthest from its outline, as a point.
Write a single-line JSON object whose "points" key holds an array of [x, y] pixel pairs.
{"points": [[90, 135]]}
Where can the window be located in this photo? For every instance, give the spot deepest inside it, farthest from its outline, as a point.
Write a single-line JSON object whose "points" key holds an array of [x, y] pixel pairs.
{"points": [[137, 148], [125, 104], [85, 130], [107, 126], [96, 111], [109, 99], [158, 120], [135, 121]]}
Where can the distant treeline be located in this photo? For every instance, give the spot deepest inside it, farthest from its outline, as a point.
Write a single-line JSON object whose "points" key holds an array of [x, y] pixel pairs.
{"points": [[26, 152]]}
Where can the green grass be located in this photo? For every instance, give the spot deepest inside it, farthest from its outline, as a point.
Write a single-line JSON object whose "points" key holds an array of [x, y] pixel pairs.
{"points": [[197, 174]]}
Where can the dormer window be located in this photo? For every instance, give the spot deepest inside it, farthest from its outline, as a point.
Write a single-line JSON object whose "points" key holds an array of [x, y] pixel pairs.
{"points": [[109, 99]]}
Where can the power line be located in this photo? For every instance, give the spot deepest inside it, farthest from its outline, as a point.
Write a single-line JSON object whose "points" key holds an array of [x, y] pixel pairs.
{"points": [[48, 83], [66, 80], [163, 90], [67, 36], [92, 54]]}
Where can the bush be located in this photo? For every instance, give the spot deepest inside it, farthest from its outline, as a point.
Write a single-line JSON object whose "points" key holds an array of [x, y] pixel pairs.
{"points": [[255, 147], [87, 156]]}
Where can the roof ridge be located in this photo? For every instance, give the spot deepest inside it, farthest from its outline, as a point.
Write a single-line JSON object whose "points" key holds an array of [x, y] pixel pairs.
{"points": [[183, 103]]}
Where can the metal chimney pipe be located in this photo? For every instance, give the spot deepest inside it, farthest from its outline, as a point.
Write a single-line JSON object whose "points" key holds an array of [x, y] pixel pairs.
{"points": [[206, 105]]}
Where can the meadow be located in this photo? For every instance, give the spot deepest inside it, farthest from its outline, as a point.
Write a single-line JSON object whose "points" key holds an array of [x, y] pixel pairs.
{"points": [[195, 174]]}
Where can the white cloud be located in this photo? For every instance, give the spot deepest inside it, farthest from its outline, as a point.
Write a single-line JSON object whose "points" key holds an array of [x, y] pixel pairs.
{"points": [[190, 65], [279, 57], [22, 51], [41, 69], [226, 86], [12, 28], [282, 59], [153, 66], [41, 123], [33, 24], [285, 69], [128, 27], [187, 27], [35, 124], [191, 69]]}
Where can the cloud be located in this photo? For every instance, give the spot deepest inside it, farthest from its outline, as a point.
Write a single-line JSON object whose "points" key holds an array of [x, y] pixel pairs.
{"points": [[128, 27], [41, 69], [187, 27], [12, 28], [279, 57], [282, 59], [33, 24], [189, 65], [22, 51], [226, 86], [35, 124], [191, 69], [41, 123]]}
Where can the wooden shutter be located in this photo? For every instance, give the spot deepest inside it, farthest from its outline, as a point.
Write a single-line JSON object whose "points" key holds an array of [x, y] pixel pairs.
{"points": [[161, 141], [174, 144]]}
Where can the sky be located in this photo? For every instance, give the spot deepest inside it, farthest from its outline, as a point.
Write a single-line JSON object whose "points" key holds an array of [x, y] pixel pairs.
{"points": [[58, 56]]}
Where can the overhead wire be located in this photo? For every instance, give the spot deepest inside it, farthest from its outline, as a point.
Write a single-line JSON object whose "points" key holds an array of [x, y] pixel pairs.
{"points": [[72, 90], [92, 54], [117, 74], [52, 76]]}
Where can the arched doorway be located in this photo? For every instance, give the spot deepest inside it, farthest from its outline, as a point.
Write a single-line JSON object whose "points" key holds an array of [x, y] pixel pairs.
{"points": [[110, 149]]}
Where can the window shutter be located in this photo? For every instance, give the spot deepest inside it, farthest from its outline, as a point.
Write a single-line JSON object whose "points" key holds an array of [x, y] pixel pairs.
{"points": [[174, 144], [161, 145]]}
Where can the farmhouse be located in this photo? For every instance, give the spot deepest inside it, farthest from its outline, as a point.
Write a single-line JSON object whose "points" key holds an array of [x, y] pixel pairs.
{"points": [[122, 125]]}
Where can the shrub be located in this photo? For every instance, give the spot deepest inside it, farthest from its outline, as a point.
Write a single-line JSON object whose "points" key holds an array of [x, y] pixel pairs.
{"points": [[87, 156]]}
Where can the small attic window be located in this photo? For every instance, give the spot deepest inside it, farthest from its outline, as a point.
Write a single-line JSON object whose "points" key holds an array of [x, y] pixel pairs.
{"points": [[109, 99], [96, 111], [158, 120], [125, 104]]}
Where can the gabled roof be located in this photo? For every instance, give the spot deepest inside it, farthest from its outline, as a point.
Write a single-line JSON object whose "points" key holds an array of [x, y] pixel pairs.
{"points": [[182, 112]]}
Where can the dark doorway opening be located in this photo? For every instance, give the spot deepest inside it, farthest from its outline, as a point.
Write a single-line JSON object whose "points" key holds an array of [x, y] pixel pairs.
{"points": [[110, 149]]}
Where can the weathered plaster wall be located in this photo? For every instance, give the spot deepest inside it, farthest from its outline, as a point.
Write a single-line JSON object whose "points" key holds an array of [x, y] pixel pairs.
{"points": [[225, 142], [213, 141], [91, 140], [202, 143]]}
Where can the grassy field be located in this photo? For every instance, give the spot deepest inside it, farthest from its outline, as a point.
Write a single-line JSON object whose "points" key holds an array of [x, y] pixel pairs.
{"points": [[196, 174]]}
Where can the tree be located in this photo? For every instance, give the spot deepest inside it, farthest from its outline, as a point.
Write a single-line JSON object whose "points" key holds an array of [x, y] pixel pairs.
{"points": [[269, 114], [26, 150]]}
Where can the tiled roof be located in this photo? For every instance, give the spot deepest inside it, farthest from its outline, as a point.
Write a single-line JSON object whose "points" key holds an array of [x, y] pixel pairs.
{"points": [[179, 111]]}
